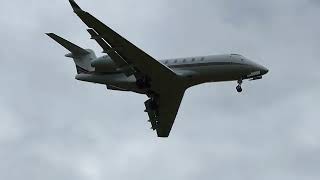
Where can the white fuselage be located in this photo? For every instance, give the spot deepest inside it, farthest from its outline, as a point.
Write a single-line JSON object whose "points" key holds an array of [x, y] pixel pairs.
{"points": [[194, 70]]}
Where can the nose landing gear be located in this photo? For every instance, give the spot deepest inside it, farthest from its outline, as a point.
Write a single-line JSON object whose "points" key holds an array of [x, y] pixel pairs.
{"points": [[239, 88]]}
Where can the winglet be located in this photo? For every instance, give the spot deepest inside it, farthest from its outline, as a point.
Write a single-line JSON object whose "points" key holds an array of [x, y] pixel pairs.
{"points": [[76, 8]]}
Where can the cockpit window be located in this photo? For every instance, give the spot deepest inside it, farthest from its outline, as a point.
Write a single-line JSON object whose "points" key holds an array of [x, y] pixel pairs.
{"points": [[237, 55]]}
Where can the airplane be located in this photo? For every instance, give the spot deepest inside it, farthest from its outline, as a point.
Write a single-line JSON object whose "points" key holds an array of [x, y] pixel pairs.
{"points": [[125, 67]]}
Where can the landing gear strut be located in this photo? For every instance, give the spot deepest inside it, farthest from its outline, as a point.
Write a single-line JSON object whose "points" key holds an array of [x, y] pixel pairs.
{"points": [[239, 88]]}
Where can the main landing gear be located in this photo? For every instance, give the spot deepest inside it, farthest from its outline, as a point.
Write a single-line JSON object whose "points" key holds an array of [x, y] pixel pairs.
{"points": [[239, 88], [152, 110]]}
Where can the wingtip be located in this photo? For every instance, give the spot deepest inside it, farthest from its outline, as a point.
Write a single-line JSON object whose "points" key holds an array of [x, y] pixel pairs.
{"points": [[75, 6], [50, 34]]}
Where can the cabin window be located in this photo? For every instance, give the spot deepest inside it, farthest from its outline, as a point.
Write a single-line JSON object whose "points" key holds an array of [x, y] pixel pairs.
{"points": [[175, 61], [193, 59], [184, 60], [202, 59]]}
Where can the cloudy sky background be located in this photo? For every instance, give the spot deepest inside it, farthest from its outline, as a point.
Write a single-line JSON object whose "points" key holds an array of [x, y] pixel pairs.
{"points": [[54, 127]]}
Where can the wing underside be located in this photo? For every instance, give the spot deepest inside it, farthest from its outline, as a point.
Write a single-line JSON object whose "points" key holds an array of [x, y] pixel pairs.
{"points": [[162, 111], [163, 105]]}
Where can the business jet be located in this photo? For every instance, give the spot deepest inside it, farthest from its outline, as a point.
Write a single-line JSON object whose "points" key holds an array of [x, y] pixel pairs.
{"points": [[125, 67]]}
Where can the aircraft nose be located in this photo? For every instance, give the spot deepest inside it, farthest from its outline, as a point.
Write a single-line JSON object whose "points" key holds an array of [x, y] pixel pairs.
{"points": [[264, 70]]}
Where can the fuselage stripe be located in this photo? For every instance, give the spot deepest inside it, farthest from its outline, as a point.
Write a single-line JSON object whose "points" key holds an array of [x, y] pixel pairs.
{"points": [[203, 64]]}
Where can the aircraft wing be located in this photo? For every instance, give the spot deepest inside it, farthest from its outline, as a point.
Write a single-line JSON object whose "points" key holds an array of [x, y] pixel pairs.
{"points": [[134, 61], [168, 105], [131, 55]]}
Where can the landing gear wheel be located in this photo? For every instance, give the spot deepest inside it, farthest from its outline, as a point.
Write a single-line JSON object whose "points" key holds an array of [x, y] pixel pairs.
{"points": [[239, 89]]}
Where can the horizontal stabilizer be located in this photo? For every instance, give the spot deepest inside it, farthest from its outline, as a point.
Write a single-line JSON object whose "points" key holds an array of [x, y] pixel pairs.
{"points": [[74, 49]]}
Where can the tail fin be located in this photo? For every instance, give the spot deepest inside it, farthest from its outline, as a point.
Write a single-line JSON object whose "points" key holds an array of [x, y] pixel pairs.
{"points": [[82, 57]]}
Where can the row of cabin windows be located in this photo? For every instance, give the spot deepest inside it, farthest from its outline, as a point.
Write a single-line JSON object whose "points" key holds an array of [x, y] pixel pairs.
{"points": [[185, 60]]}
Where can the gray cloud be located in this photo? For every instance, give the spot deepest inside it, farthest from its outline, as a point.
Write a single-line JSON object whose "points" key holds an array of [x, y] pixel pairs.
{"points": [[54, 127]]}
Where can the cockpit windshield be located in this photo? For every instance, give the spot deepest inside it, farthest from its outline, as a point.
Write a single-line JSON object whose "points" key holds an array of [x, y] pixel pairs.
{"points": [[237, 55]]}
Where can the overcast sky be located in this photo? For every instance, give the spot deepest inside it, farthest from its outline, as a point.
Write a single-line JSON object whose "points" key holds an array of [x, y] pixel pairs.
{"points": [[54, 127]]}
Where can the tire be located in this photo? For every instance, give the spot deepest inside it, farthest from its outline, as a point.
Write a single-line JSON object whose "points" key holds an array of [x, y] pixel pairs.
{"points": [[239, 89]]}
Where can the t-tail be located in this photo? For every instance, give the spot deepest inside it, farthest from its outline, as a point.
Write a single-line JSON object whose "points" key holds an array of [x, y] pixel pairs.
{"points": [[82, 57]]}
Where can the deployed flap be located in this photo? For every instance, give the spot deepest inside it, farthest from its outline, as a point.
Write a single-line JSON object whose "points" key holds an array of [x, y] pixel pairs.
{"points": [[74, 49], [134, 56]]}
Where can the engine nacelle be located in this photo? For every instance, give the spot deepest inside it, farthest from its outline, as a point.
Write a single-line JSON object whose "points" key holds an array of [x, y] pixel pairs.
{"points": [[104, 64]]}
